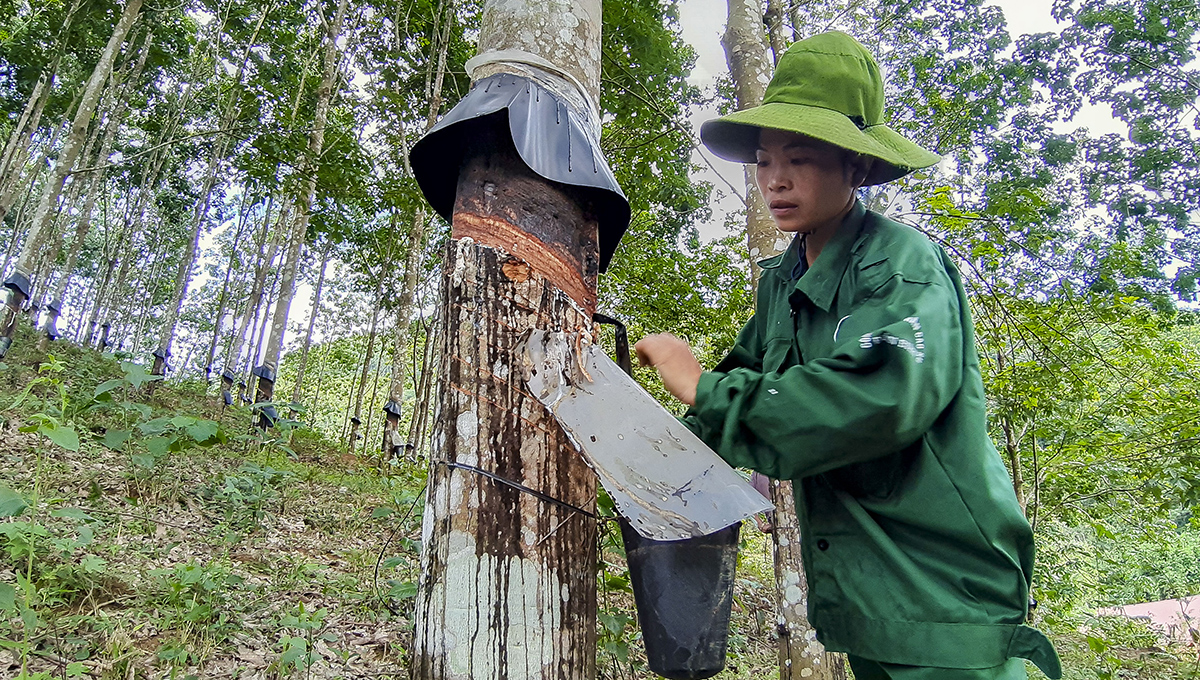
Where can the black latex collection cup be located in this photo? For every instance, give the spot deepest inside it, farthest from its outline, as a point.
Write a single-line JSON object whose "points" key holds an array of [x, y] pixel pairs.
{"points": [[684, 593]]}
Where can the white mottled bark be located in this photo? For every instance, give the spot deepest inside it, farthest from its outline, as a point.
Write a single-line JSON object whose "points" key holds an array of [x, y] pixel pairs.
{"points": [[746, 52], [508, 585], [776, 31]]}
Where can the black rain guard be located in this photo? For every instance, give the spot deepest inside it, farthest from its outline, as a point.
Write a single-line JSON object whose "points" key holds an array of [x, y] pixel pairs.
{"points": [[264, 372], [18, 282], [55, 307], [160, 354], [549, 136], [392, 408]]}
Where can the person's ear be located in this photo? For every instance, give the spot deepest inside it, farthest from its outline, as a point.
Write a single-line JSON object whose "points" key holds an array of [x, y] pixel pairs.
{"points": [[860, 167]]}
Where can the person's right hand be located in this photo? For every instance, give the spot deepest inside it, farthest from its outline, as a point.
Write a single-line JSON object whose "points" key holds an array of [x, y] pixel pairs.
{"points": [[677, 366]]}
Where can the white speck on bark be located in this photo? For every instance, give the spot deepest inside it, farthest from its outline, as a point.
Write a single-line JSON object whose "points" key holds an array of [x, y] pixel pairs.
{"points": [[500, 370], [468, 425], [793, 594]]}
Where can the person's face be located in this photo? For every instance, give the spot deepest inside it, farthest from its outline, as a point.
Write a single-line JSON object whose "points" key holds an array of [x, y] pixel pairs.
{"points": [[805, 182]]}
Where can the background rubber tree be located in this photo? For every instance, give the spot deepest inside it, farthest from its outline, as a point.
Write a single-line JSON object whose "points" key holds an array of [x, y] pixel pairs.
{"points": [[65, 163]]}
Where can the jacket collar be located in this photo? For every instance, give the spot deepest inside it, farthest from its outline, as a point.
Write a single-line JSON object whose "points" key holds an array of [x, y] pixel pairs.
{"points": [[820, 283]]}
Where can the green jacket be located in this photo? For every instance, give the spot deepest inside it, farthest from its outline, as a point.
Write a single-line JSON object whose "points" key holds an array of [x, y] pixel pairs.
{"points": [[860, 381]]}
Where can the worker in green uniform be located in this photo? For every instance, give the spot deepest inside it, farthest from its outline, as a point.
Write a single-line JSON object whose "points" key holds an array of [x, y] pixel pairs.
{"points": [[858, 379]]}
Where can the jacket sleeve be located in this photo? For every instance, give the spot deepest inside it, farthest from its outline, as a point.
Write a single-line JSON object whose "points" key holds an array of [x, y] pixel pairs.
{"points": [[896, 365]]}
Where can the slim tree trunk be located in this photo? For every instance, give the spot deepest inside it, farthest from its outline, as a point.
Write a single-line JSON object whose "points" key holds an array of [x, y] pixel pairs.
{"points": [[116, 103], [746, 51], [229, 375], [435, 77], [298, 389], [62, 167], [514, 596], [222, 300], [371, 400], [416, 434], [316, 141], [1012, 447], [260, 332], [356, 419], [323, 362], [776, 31]]}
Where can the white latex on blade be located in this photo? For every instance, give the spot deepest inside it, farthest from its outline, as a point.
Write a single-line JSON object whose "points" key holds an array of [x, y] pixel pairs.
{"points": [[662, 478]]}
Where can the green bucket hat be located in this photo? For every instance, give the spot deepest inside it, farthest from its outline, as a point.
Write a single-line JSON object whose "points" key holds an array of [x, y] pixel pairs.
{"points": [[827, 87]]}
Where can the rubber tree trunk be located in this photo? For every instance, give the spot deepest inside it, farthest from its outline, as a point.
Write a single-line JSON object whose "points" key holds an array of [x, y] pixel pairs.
{"points": [[800, 655], [331, 66], [515, 596], [777, 32], [260, 334], [229, 112], [223, 298], [392, 443], [229, 375], [368, 355], [302, 364], [63, 165], [116, 104]]}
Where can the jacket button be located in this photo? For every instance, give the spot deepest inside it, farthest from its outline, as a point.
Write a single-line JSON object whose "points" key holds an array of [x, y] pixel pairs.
{"points": [[822, 544]]}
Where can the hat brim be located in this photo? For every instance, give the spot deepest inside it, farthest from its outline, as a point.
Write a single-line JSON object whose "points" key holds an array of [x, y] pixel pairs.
{"points": [[735, 137]]}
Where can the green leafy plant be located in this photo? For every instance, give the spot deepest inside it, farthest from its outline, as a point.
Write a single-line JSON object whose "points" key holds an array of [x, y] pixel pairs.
{"points": [[243, 497], [296, 651], [199, 603]]}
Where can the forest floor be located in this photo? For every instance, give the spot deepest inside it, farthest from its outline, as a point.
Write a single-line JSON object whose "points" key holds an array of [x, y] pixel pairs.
{"points": [[145, 532]]}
